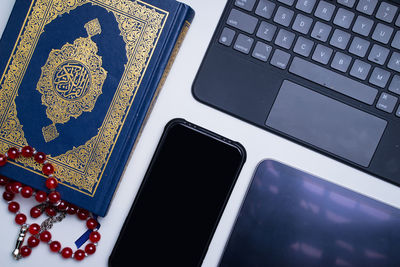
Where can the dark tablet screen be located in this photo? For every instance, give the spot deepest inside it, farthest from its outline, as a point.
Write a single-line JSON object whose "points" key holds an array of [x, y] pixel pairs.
{"points": [[291, 218]]}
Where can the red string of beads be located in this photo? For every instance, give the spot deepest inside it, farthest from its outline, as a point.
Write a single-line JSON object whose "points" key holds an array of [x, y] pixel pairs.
{"points": [[52, 202]]}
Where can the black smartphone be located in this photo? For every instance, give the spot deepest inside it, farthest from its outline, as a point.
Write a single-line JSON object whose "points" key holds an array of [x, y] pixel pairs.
{"points": [[180, 200]]}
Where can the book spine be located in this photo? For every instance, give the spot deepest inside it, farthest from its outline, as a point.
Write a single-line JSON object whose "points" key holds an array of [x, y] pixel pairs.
{"points": [[185, 28], [177, 33]]}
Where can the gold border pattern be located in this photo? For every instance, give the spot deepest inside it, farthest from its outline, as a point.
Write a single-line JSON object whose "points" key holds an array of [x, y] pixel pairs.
{"points": [[81, 168]]}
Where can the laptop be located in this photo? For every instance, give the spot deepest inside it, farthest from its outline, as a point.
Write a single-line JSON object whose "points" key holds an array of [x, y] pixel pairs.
{"points": [[292, 218], [324, 74]]}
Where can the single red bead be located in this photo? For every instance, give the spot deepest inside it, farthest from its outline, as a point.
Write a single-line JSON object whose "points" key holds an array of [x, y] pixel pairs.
{"points": [[3, 180], [34, 228], [41, 196], [79, 255], [13, 207], [40, 157], [55, 246], [27, 151], [8, 196], [51, 183], [3, 160], [51, 212], [82, 214], [25, 251], [45, 236], [63, 205], [33, 241], [20, 218], [91, 223], [90, 249], [66, 252], [47, 169], [35, 212], [9, 188], [72, 209], [15, 186], [94, 236], [13, 153], [26, 191], [54, 197]]}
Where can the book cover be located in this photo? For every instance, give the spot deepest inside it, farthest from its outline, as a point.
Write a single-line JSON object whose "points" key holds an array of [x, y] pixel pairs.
{"points": [[78, 79]]}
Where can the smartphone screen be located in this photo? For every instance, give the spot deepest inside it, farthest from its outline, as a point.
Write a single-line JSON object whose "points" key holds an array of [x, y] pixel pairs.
{"points": [[181, 199]]}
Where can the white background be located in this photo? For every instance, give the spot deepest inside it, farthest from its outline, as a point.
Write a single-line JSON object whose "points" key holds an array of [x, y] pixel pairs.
{"points": [[176, 100]]}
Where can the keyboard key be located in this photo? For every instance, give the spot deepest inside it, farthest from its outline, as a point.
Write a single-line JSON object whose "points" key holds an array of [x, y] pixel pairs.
{"points": [[284, 39], [360, 69], [302, 24], [341, 62], [386, 12], [322, 54], [280, 59], [321, 31], [359, 47], [340, 39], [287, 2], [386, 102], [242, 21], [379, 77], [262, 51], [395, 85], [363, 25], [378, 54], [397, 23], [305, 5], [394, 62], [303, 46], [227, 37], [265, 9], [343, 18], [324, 10], [266, 31], [283, 16], [348, 3], [245, 4], [382, 33], [396, 40], [367, 6], [333, 80], [243, 43], [398, 112]]}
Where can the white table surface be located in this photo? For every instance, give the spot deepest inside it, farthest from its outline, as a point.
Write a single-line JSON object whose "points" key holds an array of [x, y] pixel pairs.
{"points": [[176, 100]]}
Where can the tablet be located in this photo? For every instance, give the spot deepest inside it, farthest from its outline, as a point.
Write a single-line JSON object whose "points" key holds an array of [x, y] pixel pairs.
{"points": [[292, 218]]}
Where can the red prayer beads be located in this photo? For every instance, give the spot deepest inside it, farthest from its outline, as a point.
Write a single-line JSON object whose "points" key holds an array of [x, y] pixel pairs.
{"points": [[50, 203], [25, 251], [55, 246], [33, 241], [3, 160], [26, 191], [45, 236], [20, 218], [13, 153], [79, 255], [27, 151], [66, 252], [34, 229]]}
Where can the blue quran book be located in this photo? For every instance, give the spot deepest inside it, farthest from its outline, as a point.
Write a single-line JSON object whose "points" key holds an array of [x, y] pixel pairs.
{"points": [[78, 79]]}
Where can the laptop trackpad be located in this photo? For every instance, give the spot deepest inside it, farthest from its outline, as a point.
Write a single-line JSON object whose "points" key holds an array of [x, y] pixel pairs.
{"points": [[326, 123]]}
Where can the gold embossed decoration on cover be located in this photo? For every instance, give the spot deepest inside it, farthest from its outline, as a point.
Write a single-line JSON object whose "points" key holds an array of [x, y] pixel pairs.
{"points": [[71, 80]]}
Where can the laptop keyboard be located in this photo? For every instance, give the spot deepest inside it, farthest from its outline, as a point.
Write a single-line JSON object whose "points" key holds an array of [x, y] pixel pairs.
{"points": [[351, 47]]}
